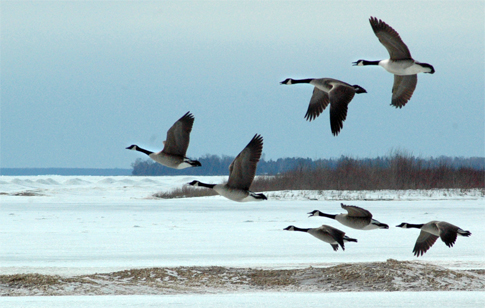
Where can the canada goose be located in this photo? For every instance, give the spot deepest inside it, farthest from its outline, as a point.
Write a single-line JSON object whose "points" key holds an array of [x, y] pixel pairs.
{"points": [[241, 174], [329, 90], [400, 63], [431, 231], [356, 217], [175, 147], [327, 234]]}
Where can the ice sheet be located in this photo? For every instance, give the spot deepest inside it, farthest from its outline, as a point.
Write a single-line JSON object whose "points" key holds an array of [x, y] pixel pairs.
{"points": [[74, 225], [266, 299]]}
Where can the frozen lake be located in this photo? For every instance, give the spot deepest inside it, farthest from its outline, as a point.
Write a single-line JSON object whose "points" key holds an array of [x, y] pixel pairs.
{"points": [[83, 225], [267, 299]]}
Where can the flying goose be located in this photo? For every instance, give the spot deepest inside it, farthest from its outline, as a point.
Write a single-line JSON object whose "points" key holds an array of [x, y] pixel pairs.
{"points": [[327, 234], [241, 174], [356, 217], [431, 231], [175, 147], [329, 90], [400, 63]]}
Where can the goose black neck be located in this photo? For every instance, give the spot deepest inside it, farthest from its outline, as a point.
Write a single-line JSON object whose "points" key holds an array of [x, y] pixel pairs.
{"points": [[367, 62], [301, 229], [301, 81], [206, 185], [327, 215], [143, 150], [415, 226]]}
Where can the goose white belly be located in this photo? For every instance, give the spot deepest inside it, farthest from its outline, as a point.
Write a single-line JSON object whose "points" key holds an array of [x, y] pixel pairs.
{"points": [[169, 161], [232, 193], [360, 223], [322, 236], [402, 67]]}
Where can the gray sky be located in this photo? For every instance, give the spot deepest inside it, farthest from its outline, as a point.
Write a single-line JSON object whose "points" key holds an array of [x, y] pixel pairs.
{"points": [[82, 80]]}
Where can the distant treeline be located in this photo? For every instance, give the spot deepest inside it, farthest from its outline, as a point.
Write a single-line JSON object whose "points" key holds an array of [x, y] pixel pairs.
{"points": [[219, 165], [398, 172]]}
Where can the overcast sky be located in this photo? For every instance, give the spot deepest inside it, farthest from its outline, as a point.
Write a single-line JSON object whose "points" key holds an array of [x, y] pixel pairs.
{"points": [[82, 80]]}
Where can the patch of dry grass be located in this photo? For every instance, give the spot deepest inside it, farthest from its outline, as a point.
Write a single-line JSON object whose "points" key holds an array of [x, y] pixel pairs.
{"points": [[185, 191], [391, 275], [27, 193]]}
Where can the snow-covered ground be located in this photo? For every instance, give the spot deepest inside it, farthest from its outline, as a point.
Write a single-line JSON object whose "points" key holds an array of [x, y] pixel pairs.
{"points": [[68, 226], [267, 299]]}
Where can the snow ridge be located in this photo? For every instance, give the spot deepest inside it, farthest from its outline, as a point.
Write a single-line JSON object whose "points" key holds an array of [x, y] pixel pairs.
{"points": [[391, 275]]}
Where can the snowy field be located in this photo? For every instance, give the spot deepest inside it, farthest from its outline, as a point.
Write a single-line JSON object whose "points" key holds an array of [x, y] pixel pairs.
{"points": [[75, 226]]}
